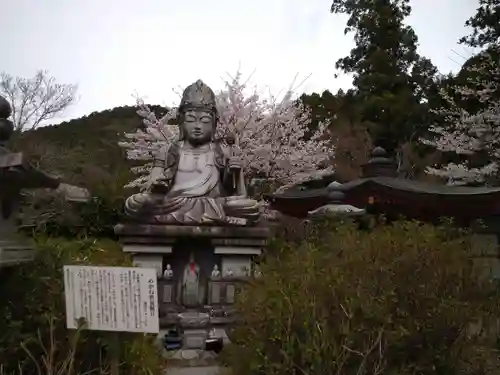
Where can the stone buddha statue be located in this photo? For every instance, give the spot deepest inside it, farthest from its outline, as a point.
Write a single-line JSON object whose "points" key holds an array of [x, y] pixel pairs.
{"points": [[193, 182]]}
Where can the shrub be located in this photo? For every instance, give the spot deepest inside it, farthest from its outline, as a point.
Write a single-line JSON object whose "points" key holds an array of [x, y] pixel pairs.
{"points": [[396, 299], [49, 214], [33, 334]]}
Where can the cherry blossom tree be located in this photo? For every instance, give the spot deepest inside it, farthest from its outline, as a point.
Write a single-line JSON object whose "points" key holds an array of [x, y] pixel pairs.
{"points": [[470, 135], [271, 136]]}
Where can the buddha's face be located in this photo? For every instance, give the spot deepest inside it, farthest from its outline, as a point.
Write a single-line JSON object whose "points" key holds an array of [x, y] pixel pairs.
{"points": [[198, 126]]}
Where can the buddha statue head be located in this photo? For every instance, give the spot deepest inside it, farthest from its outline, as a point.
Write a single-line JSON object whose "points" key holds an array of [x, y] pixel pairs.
{"points": [[197, 114]]}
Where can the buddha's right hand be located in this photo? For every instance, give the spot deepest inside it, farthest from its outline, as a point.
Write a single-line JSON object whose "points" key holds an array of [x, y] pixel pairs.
{"points": [[160, 186]]}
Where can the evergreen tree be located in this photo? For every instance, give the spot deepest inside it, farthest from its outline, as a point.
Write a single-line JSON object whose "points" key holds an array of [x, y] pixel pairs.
{"points": [[485, 25], [393, 83]]}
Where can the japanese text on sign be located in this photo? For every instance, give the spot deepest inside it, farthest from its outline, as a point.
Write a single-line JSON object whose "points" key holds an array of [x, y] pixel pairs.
{"points": [[112, 298]]}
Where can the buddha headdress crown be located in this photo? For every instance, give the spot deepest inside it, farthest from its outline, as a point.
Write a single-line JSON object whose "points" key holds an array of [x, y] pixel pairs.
{"points": [[198, 96]]}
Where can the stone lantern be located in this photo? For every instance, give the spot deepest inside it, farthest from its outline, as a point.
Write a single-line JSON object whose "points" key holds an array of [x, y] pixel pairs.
{"points": [[17, 174], [336, 205]]}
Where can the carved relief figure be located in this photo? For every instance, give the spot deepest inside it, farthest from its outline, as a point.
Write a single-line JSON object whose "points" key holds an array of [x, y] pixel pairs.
{"points": [[193, 181]]}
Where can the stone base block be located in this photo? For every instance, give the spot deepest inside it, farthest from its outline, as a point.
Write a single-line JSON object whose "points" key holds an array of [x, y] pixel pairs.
{"points": [[14, 253], [238, 266], [194, 338], [153, 261], [159, 237], [193, 320]]}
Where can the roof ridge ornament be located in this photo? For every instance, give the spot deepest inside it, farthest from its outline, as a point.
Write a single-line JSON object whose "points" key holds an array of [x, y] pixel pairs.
{"points": [[379, 165]]}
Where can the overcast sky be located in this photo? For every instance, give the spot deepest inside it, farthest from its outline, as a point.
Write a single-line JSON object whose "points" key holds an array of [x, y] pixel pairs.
{"points": [[115, 48]]}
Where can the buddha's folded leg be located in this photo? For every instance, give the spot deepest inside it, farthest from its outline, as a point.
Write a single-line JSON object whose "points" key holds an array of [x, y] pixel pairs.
{"points": [[194, 210], [238, 202], [242, 207], [138, 202], [152, 204]]}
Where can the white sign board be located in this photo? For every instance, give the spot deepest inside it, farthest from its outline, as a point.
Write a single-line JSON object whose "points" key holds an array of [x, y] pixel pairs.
{"points": [[123, 299]]}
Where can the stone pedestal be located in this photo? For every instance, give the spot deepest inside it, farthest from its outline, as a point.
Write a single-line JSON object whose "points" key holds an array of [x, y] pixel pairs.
{"points": [[13, 249], [154, 261], [194, 327], [231, 249], [14, 252]]}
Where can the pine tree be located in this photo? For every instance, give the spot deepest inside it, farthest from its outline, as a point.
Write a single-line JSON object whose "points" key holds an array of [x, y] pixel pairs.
{"points": [[485, 25], [392, 81]]}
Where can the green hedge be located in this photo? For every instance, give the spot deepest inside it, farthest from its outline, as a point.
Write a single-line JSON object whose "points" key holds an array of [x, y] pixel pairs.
{"points": [[397, 299], [33, 334]]}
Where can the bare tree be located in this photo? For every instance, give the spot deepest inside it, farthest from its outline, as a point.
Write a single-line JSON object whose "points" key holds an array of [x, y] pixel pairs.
{"points": [[35, 99]]}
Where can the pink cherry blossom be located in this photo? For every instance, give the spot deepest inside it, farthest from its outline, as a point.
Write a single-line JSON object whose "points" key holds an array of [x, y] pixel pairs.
{"points": [[269, 136], [466, 134]]}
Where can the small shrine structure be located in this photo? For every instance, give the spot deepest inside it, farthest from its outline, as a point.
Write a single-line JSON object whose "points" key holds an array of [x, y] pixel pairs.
{"points": [[380, 190]]}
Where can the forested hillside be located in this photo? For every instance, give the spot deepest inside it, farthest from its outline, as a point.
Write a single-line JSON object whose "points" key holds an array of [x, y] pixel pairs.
{"points": [[84, 151]]}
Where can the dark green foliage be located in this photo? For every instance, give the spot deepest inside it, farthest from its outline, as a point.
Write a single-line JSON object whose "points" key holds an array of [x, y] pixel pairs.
{"points": [[84, 151], [33, 315], [335, 108], [324, 106], [485, 25], [96, 218], [392, 81], [48, 213], [396, 299]]}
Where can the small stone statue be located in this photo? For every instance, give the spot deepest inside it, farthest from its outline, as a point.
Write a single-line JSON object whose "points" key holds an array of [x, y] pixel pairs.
{"points": [[257, 273], [215, 272], [168, 273], [229, 272], [193, 181]]}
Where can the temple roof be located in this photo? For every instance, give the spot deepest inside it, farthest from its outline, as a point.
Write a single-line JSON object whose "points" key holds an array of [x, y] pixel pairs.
{"points": [[382, 190], [301, 191], [427, 188]]}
